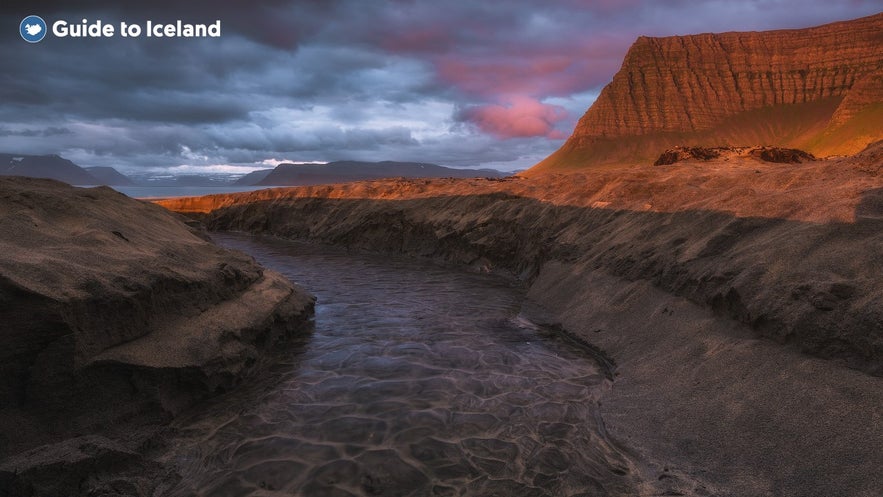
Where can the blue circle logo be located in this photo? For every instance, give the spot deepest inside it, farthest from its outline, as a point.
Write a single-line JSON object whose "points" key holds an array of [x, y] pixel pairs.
{"points": [[32, 29]]}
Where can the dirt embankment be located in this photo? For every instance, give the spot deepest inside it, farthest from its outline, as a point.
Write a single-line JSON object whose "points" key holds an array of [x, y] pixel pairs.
{"points": [[114, 316], [792, 251], [731, 294]]}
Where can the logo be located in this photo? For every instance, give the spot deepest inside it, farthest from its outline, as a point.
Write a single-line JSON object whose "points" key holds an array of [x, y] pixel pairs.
{"points": [[32, 29]]}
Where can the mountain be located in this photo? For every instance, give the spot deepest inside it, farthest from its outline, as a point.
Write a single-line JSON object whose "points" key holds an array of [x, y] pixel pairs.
{"points": [[253, 177], [818, 89], [109, 176], [45, 166], [347, 171]]}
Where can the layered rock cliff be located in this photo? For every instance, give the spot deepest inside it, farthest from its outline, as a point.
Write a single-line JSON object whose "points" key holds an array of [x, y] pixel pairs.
{"points": [[819, 89]]}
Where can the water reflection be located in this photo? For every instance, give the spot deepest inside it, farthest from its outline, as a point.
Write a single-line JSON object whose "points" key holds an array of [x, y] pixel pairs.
{"points": [[418, 380]]}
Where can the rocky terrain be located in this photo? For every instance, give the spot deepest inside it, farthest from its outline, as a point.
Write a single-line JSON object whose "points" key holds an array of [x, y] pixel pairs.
{"points": [[818, 89], [114, 317], [739, 298], [766, 154]]}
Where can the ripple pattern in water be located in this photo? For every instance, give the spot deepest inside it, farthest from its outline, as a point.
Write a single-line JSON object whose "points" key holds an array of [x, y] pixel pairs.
{"points": [[418, 380]]}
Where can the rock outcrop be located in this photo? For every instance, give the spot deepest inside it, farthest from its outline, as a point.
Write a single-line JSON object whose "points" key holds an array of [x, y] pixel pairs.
{"points": [[114, 309], [819, 89], [766, 154]]}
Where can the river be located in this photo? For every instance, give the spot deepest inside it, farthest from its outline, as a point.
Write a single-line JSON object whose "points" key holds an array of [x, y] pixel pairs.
{"points": [[417, 380]]}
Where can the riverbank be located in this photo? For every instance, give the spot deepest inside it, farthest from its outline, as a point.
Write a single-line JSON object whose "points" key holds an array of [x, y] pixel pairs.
{"points": [[419, 379], [740, 300], [115, 317]]}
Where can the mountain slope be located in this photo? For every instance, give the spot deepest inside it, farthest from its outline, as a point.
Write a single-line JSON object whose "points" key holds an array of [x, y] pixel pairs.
{"points": [[820, 89], [45, 166], [109, 176], [253, 177]]}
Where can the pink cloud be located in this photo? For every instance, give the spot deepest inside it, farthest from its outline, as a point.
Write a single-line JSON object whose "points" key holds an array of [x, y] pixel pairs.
{"points": [[541, 71], [522, 117]]}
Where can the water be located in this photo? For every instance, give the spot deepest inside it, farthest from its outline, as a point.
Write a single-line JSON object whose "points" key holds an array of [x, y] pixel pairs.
{"points": [[418, 380], [182, 191]]}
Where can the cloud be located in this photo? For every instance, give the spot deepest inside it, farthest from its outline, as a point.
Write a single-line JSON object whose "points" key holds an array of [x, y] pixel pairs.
{"points": [[49, 131], [521, 117], [460, 82]]}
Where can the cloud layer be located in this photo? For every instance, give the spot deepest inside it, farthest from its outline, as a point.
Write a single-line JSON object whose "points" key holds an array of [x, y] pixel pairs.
{"points": [[460, 83]]}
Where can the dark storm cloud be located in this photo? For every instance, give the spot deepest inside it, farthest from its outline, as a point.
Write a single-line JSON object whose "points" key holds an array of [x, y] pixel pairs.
{"points": [[50, 131], [459, 82]]}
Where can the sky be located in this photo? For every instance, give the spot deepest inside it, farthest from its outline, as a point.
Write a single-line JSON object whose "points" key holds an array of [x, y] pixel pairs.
{"points": [[463, 83]]}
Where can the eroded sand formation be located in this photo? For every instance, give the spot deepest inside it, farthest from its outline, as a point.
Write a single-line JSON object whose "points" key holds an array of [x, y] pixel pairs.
{"points": [[116, 316]]}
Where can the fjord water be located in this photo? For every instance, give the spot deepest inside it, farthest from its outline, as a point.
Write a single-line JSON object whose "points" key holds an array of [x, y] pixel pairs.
{"points": [[417, 380]]}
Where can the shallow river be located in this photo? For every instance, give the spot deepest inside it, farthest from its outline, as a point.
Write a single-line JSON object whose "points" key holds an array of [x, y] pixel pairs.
{"points": [[418, 380]]}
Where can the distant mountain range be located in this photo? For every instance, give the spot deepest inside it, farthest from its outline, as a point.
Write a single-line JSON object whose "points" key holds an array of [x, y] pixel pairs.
{"points": [[58, 168], [347, 171]]}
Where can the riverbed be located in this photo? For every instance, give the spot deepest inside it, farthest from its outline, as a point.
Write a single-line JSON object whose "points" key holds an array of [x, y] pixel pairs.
{"points": [[418, 379]]}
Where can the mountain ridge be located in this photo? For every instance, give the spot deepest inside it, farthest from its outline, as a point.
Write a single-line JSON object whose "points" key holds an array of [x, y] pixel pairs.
{"points": [[347, 171]]}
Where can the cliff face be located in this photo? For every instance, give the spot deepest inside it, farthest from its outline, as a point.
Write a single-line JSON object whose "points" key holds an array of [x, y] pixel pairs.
{"points": [[820, 89]]}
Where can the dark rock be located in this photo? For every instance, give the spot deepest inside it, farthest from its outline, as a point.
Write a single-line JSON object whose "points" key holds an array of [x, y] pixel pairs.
{"points": [[766, 154], [678, 154], [784, 155]]}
